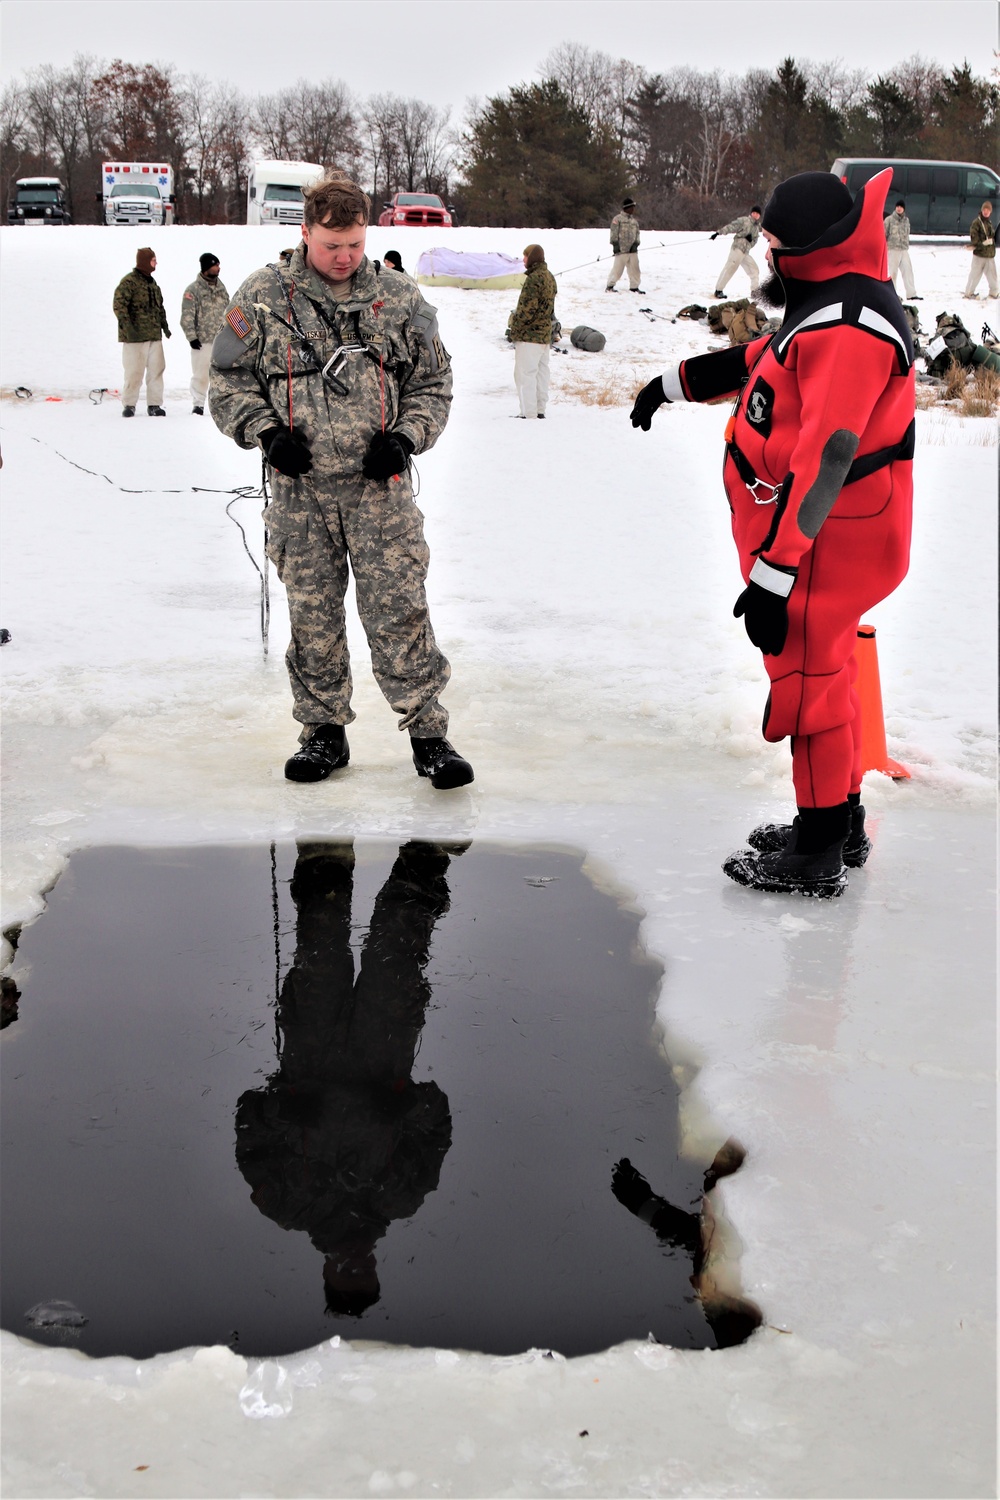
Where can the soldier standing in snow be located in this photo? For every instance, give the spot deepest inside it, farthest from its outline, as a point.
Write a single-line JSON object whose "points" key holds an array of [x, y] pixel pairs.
{"points": [[138, 306], [625, 244], [202, 311], [984, 250], [897, 238], [531, 333], [336, 372], [744, 232], [819, 477]]}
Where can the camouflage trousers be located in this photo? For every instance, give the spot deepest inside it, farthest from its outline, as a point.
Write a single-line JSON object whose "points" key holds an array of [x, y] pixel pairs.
{"points": [[314, 530]]}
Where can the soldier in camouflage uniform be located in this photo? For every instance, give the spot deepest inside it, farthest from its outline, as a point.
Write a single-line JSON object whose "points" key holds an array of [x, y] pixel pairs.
{"points": [[530, 331], [897, 240], [138, 306], [744, 232], [625, 244], [334, 368], [202, 310]]}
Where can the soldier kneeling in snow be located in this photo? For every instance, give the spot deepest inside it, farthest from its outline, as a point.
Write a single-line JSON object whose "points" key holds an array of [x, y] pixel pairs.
{"points": [[819, 476], [336, 371]]}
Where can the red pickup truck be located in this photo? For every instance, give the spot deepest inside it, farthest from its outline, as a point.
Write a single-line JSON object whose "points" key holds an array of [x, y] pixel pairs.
{"points": [[416, 208]]}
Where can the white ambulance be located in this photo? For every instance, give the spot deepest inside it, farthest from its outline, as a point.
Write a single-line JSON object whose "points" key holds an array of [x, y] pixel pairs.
{"points": [[137, 192]]}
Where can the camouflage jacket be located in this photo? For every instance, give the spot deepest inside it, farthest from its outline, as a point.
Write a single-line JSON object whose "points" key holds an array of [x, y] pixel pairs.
{"points": [[532, 319], [281, 331], [897, 231], [138, 306], [624, 233], [744, 231], [203, 308], [983, 237]]}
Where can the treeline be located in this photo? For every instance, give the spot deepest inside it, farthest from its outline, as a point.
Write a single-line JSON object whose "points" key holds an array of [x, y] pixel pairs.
{"points": [[65, 122], [693, 146]]}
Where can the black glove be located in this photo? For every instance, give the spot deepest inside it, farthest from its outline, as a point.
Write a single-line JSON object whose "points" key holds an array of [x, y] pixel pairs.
{"points": [[714, 236], [648, 400], [387, 455], [196, 343], [765, 616], [287, 451]]}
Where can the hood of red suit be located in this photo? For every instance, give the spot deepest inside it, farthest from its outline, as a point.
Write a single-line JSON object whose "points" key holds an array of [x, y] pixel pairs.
{"points": [[855, 244]]}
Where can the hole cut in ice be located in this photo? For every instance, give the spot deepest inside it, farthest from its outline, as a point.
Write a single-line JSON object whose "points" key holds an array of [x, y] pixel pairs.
{"points": [[261, 1096]]}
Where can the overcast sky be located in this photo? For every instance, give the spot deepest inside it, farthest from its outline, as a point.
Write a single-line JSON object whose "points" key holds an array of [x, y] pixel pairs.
{"points": [[445, 51]]}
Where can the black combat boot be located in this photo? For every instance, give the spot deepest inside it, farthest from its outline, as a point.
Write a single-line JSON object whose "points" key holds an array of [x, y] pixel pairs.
{"points": [[324, 751], [128, 411], [156, 411], [771, 838], [440, 763], [810, 864]]}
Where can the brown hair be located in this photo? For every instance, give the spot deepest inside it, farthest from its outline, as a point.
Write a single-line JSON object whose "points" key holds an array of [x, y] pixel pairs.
{"points": [[335, 202], [535, 255]]}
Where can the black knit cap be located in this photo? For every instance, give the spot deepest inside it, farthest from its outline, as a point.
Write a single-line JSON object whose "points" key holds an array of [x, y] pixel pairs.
{"points": [[628, 203], [804, 206], [207, 260]]}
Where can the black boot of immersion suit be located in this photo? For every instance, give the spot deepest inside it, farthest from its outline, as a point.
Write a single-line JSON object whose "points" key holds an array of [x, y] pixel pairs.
{"points": [[810, 864], [771, 838]]}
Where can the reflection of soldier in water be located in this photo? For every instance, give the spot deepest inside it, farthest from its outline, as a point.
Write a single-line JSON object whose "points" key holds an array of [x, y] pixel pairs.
{"points": [[342, 1141], [731, 1319]]}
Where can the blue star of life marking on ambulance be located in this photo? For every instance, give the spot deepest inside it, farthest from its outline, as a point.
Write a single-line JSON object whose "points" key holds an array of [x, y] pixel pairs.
{"points": [[237, 322]]}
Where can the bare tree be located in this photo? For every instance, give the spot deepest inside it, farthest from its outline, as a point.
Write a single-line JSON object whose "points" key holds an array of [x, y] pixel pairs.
{"points": [[840, 87], [602, 88], [15, 141], [309, 122], [409, 145]]}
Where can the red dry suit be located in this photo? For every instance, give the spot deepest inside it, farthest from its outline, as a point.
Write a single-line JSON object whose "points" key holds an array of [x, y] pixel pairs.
{"points": [[819, 475]]}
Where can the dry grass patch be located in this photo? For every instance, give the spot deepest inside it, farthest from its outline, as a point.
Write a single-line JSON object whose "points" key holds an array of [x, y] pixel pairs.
{"points": [[606, 384], [966, 390]]}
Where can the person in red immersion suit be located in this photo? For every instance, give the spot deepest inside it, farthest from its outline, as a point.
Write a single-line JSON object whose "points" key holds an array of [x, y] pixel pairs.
{"points": [[819, 476]]}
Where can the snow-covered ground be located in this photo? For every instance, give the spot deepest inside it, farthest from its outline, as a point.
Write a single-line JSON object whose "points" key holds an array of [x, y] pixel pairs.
{"points": [[582, 584]]}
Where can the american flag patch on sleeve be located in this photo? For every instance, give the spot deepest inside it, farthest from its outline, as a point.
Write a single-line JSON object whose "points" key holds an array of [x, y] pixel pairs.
{"points": [[237, 322]]}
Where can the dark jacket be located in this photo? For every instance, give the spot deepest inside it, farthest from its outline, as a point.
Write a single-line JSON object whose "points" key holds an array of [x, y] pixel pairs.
{"points": [[983, 237], [138, 306]]}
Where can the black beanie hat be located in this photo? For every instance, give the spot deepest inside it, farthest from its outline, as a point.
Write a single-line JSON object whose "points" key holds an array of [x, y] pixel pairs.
{"points": [[207, 260], [804, 206]]}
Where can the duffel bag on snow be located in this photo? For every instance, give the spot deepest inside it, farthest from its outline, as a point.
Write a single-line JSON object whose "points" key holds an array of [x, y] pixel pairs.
{"points": [[588, 339]]}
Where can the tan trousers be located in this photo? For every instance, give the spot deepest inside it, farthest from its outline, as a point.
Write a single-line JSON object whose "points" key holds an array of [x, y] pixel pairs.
{"points": [[982, 267], [143, 360], [628, 263], [899, 260], [201, 364], [739, 260], [531, 377]]}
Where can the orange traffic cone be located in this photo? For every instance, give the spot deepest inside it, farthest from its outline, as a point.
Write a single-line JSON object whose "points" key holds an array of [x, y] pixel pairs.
{"points": [[874, 755]]}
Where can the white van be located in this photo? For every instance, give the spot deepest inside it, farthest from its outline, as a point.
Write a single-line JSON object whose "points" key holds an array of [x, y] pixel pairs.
{"points": [[274, 191], [137, 192]]}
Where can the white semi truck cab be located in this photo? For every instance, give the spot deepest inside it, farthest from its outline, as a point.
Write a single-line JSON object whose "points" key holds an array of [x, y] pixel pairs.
{"points": [[274, 191], [138, 192]]}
